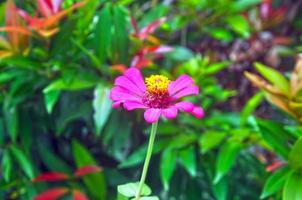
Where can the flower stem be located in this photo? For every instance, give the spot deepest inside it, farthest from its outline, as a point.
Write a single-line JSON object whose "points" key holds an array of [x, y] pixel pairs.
{"points": [[147, 160]]}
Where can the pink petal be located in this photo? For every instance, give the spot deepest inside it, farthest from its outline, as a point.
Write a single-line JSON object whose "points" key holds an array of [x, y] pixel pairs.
{"points": [[122, 95], [163, 49], [198, 112], [152, 115], [124, 82], [180, 83], [191, 90], [116, 104], [131, 105], [185, 106], [146, 31], [170, 113], [44, 8], [56, 5], [136, 77]]}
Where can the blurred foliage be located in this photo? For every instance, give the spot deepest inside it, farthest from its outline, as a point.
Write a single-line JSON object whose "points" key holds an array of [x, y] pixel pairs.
{"points": [[58, 65]]}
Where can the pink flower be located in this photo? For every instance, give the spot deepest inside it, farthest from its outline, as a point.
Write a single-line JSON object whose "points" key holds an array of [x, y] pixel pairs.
{"points": [[157, 95]]}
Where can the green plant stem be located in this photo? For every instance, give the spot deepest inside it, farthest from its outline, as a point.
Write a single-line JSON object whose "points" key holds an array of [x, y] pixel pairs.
{"points": [[147, 160]]}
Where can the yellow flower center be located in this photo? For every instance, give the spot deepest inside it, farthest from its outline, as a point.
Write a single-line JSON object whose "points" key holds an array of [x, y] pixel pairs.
{"points": [[157, 84]]}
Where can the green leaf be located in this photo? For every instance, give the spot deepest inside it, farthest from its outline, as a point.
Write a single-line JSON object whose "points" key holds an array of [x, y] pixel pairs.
{"points": [[216, 67], [210, 140], [242, 5], [11, 120], [6, 165], [226, 159], [120, 39], [293, 187], [275, 182], [167, 166], [21, 62], [153, 14], [148, 198], [130, 189], [23, 161], [135, 158], [239, 24], [95, 182], [295, 155], [50, 99], [85, 17], [221, 34], [220, 189], [50, 159], [275, 136], [274, 77], [250, 106], [73, 84], [180, 54], [103, 33], [187, 158], [101, 106]]}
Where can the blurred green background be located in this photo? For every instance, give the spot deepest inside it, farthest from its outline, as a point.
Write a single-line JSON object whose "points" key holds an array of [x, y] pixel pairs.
{"points": [[57, 67]]}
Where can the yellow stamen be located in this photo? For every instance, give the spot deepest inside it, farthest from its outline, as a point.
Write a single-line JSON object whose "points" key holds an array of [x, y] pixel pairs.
{"points": [[157, 84]]}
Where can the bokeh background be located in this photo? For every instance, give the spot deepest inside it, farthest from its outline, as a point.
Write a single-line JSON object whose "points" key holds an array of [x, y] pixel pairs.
{"points": [[60, 138]]}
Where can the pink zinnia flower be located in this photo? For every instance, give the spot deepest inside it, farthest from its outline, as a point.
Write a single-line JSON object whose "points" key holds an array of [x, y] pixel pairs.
{"points": [[157, 95]]}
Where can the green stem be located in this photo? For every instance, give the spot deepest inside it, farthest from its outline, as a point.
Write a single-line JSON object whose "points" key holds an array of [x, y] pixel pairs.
{"points": [[147, 160]]}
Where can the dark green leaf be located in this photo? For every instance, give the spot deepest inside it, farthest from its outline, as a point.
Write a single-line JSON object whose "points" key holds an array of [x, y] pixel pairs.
{"points": [[23, 161], [120, 49], [187, 158], [95, 182], [226, 159], [167, 166], [103, 33], [6, 166]]}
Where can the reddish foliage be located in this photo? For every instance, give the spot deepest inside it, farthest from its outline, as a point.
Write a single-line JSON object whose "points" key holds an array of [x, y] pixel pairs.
{"points": [[87, 170], [274, 166], [50, 15], [52, 194], [78, 195], [51, 176]]}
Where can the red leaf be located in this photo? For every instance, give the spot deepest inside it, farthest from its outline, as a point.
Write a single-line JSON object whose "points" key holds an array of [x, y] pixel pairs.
{"points": [[52, 194], [51, 176], [274, 166], [78, 195], [134, 24], [45, 8], [139, 61], [87, 170], [146, 31], [161, 49], [120, 68]]}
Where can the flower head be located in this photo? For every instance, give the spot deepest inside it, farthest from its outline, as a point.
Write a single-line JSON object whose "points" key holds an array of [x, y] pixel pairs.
{"points": [[157, 95]]}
